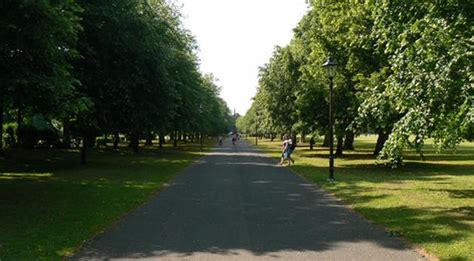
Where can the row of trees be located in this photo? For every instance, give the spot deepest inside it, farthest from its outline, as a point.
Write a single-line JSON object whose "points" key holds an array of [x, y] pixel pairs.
{"points": [[405, 73], [104, 67]]}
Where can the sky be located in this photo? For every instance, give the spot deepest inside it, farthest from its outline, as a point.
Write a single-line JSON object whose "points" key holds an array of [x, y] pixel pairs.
{"points": [[237, 37]]}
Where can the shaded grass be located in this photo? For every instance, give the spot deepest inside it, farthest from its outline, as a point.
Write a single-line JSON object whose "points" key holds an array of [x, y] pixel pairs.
{"points": [[50, 205], [430, 202]]}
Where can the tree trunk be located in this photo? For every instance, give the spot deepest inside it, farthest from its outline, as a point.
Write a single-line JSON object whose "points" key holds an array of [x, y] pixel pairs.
{"points": [[19, 117], [91, 141], [2, 153], [116, 140], [311, 143], [84, 149], [349, 141], [19, 123], [303, 137], [175, 139], [67, 133], [149, 139], [135, 142], [161, 140], [380, 142], [326, 140], [340, 143]]}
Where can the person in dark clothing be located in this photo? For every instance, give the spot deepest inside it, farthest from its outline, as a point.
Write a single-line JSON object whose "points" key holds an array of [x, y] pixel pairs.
{"points": [[311, 143]]}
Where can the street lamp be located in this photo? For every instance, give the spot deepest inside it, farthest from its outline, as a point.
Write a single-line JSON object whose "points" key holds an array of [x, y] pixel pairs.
{"points": [[330, 67], [200, 114], [256, 128]]}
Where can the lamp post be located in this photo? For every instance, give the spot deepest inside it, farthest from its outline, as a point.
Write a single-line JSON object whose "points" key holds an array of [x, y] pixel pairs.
{"points": [[256, 128], [330, 67], [200, 136]]}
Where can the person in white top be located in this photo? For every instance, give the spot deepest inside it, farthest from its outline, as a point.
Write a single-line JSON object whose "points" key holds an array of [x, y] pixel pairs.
{"points": [[285, 149], [288, 146]]}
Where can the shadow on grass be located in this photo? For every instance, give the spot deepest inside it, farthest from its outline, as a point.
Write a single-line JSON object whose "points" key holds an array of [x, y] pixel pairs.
{"points": [[422, 225], [238, 200], [50, 203], [312, 222], [457, 193], [367, 155]]}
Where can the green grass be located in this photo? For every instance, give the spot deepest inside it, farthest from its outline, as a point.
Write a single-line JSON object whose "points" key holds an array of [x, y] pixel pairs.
{"points": [[50, 205], [430, 202]]}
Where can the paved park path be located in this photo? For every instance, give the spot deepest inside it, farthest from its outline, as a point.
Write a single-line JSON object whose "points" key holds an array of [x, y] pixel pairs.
{"points": [[236, 204]]}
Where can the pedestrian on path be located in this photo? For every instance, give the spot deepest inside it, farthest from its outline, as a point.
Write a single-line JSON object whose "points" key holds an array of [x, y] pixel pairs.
{"points": [[291, 149], [285, 149]]}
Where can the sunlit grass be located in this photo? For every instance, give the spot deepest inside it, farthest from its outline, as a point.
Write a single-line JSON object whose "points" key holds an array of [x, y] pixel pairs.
{"points": [[24, 175], [50, 204], [430, 200]]}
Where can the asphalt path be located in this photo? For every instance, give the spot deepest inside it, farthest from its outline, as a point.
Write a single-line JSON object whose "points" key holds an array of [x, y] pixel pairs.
{"points": [[237, 204]]}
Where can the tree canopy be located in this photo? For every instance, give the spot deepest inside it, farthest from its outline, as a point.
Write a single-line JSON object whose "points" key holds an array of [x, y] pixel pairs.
{"points": [[103, 67], [405, 73]]}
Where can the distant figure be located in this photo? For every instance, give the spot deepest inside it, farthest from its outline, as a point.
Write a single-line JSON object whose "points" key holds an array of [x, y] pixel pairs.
{"points": [[234, 138], [285, 149], [220, 140], [311, 143], [291, 149]]}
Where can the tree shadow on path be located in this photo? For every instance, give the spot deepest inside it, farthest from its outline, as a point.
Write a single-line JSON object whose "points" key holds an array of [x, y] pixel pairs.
{"points": [[237, 202]]}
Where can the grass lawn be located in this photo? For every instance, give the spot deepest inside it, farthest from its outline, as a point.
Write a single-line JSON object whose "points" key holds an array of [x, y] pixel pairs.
{"points": [[50, 204], [430, 202]]}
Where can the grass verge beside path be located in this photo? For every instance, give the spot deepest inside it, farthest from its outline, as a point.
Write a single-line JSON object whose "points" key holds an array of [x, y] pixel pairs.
{"points": [[430, 203], [50, 204]]}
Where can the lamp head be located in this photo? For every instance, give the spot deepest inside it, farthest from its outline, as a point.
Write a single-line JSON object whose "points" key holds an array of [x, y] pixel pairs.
{"points": [[330, 67]]}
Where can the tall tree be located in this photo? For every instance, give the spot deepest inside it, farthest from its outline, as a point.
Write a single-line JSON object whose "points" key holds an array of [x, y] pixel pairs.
{"points": [[37, 44], [429, 47]]}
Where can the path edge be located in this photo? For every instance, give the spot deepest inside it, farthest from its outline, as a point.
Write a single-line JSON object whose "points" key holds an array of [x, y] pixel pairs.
{"points": [[122, 217]]}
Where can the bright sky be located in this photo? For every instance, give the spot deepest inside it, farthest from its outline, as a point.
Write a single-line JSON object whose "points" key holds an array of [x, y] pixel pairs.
{"points": [[236, 37]]}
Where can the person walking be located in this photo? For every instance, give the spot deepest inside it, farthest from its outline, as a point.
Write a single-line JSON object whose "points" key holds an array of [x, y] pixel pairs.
{"points": [[291, 149], [285, 149]]}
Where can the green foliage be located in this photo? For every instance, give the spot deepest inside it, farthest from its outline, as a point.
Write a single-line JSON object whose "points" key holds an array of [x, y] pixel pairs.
{"points": [[9, 134], [124, 66], [277, 90], [215, 113], [140, 70], [404, 69], [37, 43], [429, 48]]}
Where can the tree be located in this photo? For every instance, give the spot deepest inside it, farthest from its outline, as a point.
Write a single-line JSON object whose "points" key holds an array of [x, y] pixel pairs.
{"points": [[339, 30], [38, 40], [428, 45], [404, 73], [278, 82]]}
